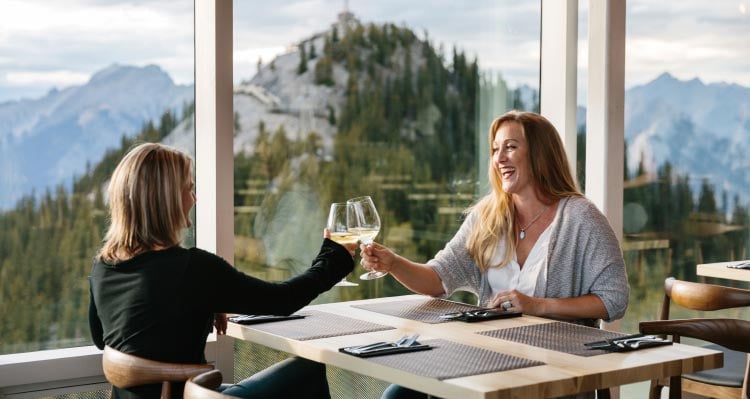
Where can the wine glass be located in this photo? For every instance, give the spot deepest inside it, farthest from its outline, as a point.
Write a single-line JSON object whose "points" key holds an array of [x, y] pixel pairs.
{"points": [[340, 218], [367, 226]]}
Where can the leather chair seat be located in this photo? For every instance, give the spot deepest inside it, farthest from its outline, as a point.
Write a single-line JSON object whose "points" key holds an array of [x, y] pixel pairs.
{"points": [[731, 375]]}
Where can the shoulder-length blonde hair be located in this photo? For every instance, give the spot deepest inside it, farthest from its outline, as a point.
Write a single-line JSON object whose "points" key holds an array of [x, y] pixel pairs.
{"points": [[549, 172], [145, 201]]}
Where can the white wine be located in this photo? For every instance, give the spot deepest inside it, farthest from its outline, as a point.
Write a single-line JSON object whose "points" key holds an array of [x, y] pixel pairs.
{"points": [[366, 234], [345, 237]]}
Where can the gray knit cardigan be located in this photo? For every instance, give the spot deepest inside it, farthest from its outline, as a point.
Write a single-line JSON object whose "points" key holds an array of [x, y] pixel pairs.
{"points": [[584, 257]]}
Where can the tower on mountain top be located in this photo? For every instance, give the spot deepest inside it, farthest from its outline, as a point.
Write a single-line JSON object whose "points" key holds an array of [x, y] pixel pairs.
{"points": [[346, 17]]}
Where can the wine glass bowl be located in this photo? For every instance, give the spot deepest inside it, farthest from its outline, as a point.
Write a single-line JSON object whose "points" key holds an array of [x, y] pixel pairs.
{"points": [[341, 216], [367, 226]]}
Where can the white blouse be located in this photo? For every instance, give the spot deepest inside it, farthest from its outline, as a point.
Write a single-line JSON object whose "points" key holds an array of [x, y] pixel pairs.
{"points": [[525, 280]]}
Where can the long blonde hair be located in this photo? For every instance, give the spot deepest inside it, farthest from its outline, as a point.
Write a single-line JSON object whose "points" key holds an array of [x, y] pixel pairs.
{"points": [[549, 172], [145, 201]]}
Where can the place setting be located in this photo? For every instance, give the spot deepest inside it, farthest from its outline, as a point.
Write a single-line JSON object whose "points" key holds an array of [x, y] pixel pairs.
{"points": [[407, 343], [628, 343], [437, 358]]}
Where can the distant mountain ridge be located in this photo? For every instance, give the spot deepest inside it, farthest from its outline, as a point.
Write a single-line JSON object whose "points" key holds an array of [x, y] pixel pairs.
{"points": [[44, 141], [703, 130]]}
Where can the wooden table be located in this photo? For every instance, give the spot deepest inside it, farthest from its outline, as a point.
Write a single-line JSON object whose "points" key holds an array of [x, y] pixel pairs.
{"points": [[562, 373], [720, 270]]}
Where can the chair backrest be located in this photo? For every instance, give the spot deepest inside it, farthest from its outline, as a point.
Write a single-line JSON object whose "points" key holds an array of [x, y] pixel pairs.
{"points": [[729, 333], [125, 371], [700, 296], [203, 386]]}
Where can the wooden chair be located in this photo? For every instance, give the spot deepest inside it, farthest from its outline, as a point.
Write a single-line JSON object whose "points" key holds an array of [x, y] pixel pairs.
{"points": [[726, 335], [125, 371], [203, 386]]}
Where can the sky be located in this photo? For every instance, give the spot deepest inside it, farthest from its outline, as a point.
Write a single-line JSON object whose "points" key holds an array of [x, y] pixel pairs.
{"points": [[53, 44]]}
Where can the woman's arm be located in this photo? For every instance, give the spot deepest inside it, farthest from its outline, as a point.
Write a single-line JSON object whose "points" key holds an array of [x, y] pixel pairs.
{"points": [[417, 277], [587, 306], [231, 291], [95, 324]]}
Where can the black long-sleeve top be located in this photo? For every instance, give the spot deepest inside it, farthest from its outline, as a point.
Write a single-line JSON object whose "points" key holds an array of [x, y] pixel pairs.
{"points": [[159, 305]]}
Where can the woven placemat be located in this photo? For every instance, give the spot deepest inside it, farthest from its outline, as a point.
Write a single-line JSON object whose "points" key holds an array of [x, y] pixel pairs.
{"points": [[556, 336], [449, 359], [427, 310], [318, 325]]}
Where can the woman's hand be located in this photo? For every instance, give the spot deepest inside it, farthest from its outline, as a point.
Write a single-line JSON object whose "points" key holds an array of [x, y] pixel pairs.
{"points": [[220, 323], [587, 306], [514, 301], [352, 248], [377, 257]]}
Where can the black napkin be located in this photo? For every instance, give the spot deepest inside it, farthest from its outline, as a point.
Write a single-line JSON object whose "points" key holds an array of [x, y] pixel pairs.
{"points": [[471, 316], [628, 343], [383, 348], [261, 318]]}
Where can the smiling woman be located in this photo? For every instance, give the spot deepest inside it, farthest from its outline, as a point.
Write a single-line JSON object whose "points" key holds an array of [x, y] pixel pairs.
{"points": [[385, 99]]}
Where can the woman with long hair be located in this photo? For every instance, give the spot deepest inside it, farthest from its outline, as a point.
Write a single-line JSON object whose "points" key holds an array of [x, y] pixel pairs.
{"points": [[534, 244], [152, 298]]}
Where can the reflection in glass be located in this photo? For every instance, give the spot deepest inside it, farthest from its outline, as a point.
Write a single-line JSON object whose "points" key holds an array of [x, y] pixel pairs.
{"points": [[687, 190], [383, 98]]}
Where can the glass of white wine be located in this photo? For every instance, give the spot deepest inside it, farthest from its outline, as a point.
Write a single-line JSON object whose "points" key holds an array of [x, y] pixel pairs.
{"points": [[367, 226], [340, 218]]}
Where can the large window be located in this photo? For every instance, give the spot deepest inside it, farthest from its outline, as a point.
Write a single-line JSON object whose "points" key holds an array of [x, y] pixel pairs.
{"points": [[78, 87], [385, 99], [687, 134]]}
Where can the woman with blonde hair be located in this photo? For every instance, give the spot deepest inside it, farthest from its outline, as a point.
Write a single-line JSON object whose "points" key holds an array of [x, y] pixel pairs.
{"points": [[534, 244], [152, 298]]}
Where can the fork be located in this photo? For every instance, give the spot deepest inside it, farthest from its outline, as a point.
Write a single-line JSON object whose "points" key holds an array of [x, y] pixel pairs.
{"points": [[379, 345], [409, 341], [636, 343], [636, 339]]}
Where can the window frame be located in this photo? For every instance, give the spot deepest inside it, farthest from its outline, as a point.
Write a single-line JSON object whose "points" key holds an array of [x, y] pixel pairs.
{"points": [[60, 371]]}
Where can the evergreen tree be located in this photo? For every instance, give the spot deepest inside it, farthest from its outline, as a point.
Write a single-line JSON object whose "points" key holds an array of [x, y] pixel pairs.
{"points": [[324, 71], [302, 66], [313, 51]]}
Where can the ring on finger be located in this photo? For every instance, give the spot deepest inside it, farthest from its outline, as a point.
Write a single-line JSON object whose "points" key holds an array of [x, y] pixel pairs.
{"points": [[506, 305]]}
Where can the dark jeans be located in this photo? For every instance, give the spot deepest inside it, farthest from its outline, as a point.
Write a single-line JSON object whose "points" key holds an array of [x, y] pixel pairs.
{"points": [[398, 392], [292, 378]]}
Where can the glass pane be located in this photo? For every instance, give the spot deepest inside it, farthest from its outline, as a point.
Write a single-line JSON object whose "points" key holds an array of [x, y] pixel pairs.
{"points": [[80, 83], [687, 190], [387, 99]]}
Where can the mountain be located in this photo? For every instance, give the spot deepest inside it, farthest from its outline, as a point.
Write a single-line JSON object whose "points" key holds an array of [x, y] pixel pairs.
{"points": [[279, 96], [703, 130], [45, 141]]}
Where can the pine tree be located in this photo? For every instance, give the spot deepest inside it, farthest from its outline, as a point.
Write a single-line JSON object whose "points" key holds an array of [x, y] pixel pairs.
{"points": [[302, 67], [313, 52]]}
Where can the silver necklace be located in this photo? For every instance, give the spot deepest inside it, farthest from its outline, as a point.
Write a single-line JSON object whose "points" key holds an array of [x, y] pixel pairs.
{"points": [[522, 234]]}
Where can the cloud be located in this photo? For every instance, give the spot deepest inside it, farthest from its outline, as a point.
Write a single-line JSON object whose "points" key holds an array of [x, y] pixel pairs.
{"points": [[49, 43], [690, 39], [60, 78]]}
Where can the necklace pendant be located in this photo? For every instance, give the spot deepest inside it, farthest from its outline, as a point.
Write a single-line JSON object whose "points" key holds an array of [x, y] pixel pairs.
{"points": [[522, 235]]}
